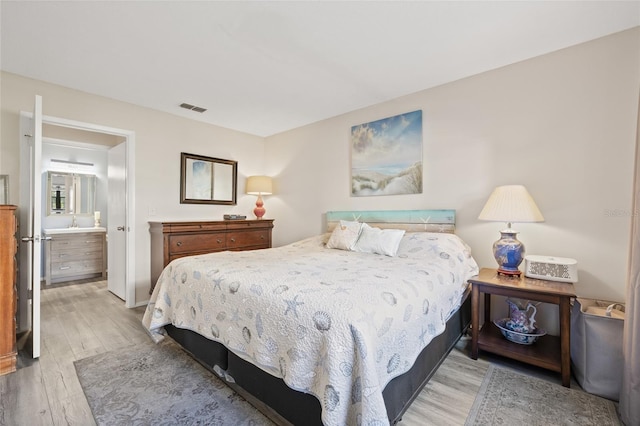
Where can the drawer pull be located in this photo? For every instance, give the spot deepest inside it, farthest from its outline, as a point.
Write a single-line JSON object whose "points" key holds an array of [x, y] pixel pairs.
{"points": [[262, 237], [233, 240], [62, 268], [179, 243], [219, 241]]}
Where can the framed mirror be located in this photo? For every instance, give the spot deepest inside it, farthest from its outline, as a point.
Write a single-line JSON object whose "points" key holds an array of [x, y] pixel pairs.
{"points": [[70, 193], [207, 180]]}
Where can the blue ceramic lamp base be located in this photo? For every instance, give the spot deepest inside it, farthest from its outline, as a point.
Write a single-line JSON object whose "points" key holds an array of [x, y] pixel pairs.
{"points": [[509, 252]]}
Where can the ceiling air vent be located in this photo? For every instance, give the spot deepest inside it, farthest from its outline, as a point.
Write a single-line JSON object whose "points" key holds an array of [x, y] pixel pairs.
{"points": [[192, 107]]}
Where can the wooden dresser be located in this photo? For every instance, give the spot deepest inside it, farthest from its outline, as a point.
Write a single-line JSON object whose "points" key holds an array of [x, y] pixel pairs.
{"points": [[172, 240], [8, 291], [74, 254]]}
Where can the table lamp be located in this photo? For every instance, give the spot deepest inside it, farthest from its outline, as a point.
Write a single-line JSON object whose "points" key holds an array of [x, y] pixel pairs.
{"points": [[259, 185], [510, 204]]}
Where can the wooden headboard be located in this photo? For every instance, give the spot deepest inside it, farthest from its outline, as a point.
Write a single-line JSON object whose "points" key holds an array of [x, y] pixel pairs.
{"points": [[409, 220]]}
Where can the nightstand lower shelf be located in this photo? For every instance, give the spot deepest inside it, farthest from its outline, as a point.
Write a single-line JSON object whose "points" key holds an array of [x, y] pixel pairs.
{"points": [[545, 352]]}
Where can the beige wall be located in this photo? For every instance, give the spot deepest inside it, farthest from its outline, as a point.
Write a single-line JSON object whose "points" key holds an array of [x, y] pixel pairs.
{"points": [[562, 124], [160, 138]]}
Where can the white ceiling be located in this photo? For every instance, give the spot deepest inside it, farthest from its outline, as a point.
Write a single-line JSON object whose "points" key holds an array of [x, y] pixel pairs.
{"points": [[270, 66]]}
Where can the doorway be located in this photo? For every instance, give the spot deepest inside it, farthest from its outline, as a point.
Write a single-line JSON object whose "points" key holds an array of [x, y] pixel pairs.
{"points": [[126, 140], [74, 215]]}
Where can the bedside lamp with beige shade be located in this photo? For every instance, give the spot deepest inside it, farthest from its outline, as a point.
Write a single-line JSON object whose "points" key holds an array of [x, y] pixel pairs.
{"points": [[259, 185], [510, 204]]}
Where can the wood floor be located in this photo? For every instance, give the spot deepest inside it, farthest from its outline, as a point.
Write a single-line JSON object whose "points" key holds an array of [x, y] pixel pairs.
{"points": [[84, 319], [77, 321]]}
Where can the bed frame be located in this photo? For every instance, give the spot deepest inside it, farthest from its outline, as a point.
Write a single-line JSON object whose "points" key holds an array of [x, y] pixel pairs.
{"points": [[286, 406]]}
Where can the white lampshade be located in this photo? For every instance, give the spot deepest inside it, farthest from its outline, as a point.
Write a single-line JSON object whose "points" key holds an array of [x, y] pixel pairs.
{"points": [[257, 185], [511, 204]]}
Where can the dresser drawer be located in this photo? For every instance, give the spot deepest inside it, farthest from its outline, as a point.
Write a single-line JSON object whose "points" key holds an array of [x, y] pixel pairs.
{"points": [[196, 227], [197, 243], [73, 244], [82, 253], [259, 239], [75, 267]]}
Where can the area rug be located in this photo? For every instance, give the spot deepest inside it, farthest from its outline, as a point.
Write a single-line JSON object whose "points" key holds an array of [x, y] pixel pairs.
{"points": [[507, 397], [161, 384]]}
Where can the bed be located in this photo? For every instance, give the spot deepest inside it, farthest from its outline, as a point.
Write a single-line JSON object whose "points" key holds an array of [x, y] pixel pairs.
{"points": [[334, 329]]}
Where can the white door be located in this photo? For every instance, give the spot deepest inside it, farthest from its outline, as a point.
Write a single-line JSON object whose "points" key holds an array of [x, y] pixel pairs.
{"points": [[31, 228], [116, 221]]}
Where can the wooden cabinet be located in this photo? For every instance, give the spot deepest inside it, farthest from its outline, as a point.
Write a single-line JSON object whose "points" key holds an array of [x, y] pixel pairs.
{"points": [[8, 291], [550, 352], [172, 240], [75, 254]]}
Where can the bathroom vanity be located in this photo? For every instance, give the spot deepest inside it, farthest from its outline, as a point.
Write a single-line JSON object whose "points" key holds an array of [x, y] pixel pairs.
{"points": [[75, 253]]}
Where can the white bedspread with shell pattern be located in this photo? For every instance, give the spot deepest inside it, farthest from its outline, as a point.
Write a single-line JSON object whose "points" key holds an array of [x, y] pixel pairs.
{"points": [[337, 324]]}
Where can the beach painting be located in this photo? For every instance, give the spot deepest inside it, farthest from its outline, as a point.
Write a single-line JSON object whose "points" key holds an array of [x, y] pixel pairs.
{"points": [[386, 156]]}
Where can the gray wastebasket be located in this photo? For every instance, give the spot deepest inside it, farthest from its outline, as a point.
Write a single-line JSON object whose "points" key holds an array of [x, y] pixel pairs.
{"points": [[596, 346]]}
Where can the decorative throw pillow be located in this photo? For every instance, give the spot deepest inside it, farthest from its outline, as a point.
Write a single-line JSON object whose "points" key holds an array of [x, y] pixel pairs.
{"points": [[380, 241], [345, 235]]}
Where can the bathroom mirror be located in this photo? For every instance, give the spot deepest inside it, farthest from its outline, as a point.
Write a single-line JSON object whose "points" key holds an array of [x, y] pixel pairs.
{"points": [[207, 180], [70, 193]]}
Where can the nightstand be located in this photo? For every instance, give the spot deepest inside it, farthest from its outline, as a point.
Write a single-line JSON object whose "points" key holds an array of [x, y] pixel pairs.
{"points": [[550, 352]]}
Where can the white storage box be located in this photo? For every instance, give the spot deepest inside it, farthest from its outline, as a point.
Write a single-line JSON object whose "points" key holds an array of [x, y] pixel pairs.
{"points": [[551, 268], [596, 346]]}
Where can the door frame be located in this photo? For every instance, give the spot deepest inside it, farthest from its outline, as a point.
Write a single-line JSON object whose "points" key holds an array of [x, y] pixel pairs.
{"points": [[129, 140]]}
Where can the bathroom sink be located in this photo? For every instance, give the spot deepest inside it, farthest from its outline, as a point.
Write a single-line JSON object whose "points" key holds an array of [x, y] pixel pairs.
{"points": [[73, 230]]}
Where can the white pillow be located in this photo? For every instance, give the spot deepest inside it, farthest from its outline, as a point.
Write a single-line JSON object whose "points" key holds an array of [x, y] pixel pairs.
{"points": [[380, 241], [345, 235]]}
